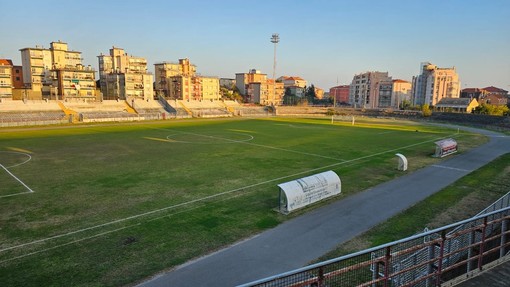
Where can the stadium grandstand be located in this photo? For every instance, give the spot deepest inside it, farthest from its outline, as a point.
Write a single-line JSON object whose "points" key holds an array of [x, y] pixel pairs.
{"points": [[47, 112], [205, 108], [149, 109], [30, 112], [107, 110]]}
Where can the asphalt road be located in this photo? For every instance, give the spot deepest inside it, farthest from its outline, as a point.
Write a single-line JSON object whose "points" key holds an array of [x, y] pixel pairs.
{"points": [[296, 242]]}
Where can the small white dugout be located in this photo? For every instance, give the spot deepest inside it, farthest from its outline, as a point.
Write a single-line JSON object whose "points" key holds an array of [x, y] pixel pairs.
{"points": [[304, 191], [445, 147]]}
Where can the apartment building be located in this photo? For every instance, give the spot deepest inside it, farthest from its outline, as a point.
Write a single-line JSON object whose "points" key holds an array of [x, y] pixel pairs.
{"points": [[384, 93], [365, 89], [495, 91], [244, 79], [57, 72], [489, 95], [402, 91], [5, 79], [340, 94], [210, 88], [174, 80], [292, 81], [181, 81], [257, 88], [434, 84], [122, 76], [296, 91], [17, 77]]}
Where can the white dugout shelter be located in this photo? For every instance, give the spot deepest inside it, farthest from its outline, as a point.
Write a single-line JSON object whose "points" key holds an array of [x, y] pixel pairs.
{"points": [[445, 147], [304, 191]]}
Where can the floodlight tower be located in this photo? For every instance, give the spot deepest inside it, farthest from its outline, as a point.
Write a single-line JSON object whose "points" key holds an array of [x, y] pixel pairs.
{"points": [[274, 39]]}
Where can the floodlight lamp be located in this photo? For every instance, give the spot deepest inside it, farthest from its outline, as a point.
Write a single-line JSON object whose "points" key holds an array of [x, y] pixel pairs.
{"points": [[275, 38]]}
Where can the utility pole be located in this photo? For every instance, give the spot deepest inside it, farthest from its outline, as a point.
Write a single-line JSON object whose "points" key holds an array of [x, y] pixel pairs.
{"points": [[274, 39]]}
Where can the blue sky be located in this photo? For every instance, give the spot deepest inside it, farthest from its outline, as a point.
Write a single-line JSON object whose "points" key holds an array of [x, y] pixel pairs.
{"points": [[324, 42]]}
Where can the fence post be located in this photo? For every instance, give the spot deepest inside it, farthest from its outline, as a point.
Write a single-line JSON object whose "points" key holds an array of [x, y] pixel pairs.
{"points": [[504, 228], [375, 269], [482, 243], [430, 269], [470, 251], [321, 277], [387, 263], [440, 259]]}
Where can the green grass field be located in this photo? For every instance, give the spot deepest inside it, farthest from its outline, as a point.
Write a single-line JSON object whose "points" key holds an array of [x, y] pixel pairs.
{"points": [[116, 203]]}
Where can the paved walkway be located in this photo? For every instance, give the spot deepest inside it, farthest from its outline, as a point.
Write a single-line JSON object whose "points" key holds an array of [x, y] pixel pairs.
{"points": [[296, 242]]}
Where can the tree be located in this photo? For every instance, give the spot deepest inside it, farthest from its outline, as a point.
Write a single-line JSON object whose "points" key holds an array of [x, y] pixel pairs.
{"points": [[405, 105], [289, 98], [231, 94], [426, 111], [310, 95], [493, 110]]}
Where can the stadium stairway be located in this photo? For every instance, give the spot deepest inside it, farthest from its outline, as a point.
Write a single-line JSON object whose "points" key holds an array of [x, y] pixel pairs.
{"points": [[231, 110], [186, 108], [70, 114], [129, 109]]}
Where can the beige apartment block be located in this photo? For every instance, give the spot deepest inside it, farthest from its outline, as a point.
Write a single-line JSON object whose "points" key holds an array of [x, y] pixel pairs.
{"points": [[402, 91], [122, 76], [174, 80], [57, 72], [181, 88], [5, 79], [435, 84], [69, 83], [180, 81], [210, 88], [244, 79], [266, 93], [259, 89]]}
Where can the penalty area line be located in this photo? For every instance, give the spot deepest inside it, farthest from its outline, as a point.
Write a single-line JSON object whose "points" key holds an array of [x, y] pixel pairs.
{"points": [[17, 179]]}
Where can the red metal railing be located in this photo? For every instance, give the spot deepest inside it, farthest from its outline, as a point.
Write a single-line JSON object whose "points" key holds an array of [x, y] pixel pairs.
{"points": [[426, 259]]}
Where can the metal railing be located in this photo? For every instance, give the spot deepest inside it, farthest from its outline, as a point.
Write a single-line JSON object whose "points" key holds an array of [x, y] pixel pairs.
{"points": [[425, 259]]}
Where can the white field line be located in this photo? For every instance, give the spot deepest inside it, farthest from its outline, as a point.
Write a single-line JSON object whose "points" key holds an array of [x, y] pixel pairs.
{"points": [[259, 145], [388, 132], [68, 243], [207, 197], [19, 180], [22, 153]]}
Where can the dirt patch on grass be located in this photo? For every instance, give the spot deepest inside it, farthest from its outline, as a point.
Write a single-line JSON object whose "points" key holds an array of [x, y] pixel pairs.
{"points": [[467, 207]]}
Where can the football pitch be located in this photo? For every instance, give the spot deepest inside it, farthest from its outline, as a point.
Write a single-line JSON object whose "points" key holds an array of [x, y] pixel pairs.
{"points": [[111, 204]]}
